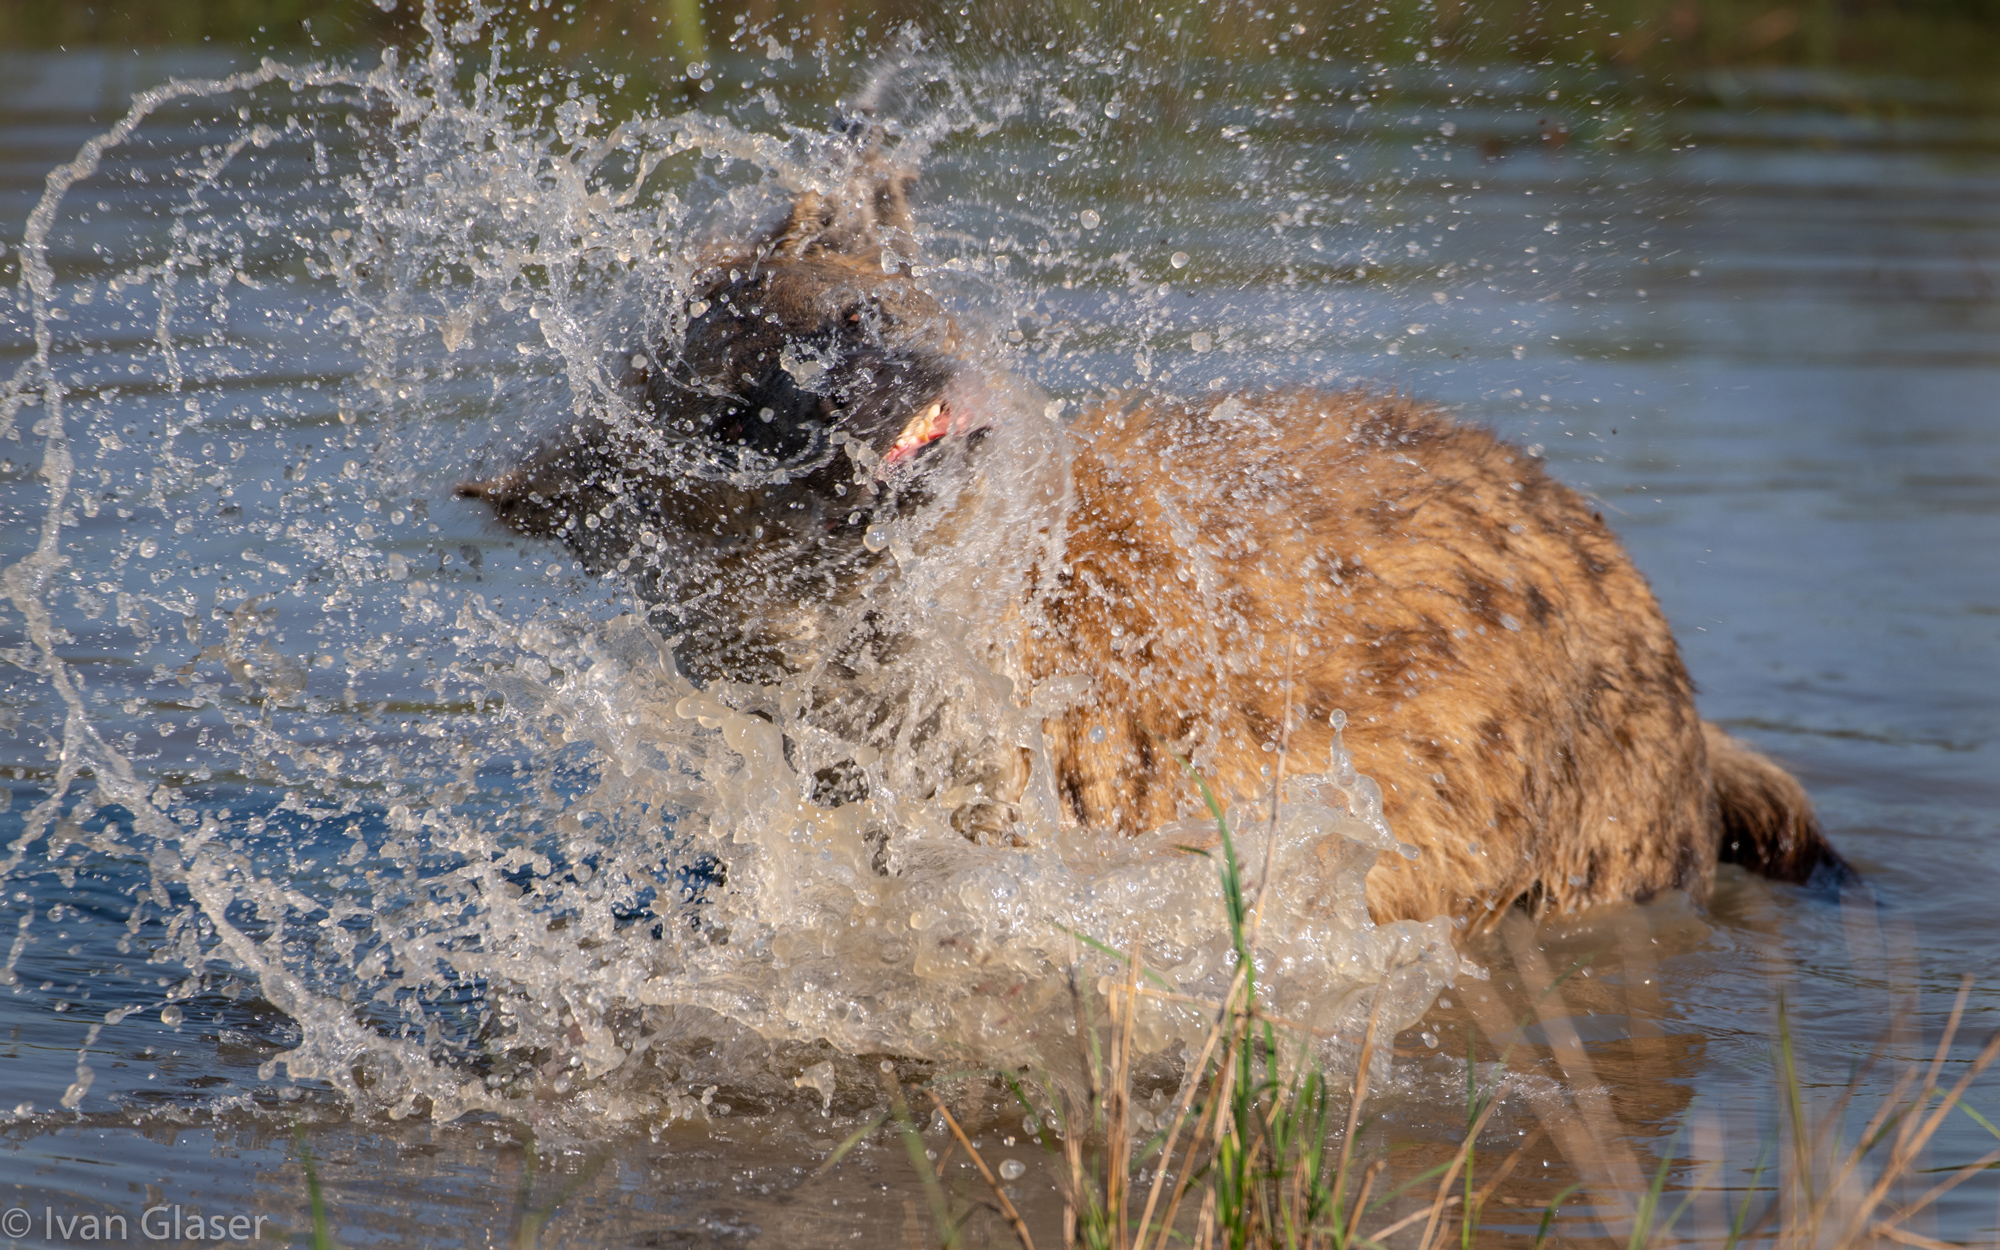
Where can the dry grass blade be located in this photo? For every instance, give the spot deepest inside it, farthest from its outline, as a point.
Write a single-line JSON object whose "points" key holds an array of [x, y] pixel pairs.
{"points": [[1945, 1186], [1014, 1219], [1188, 1090], [1204, 1234], [1591, 1139], [1912, 1239], [1360, 1206], [1210, 1109], [1506, 1168], [1073, 1137], [1362, 1061], [1451, 1173], [1911, 1140], [1431, 1211], [1119, 1108], [1950, 1032], [1876, 1122]]}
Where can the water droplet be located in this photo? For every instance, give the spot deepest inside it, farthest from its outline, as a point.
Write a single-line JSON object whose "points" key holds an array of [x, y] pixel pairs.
{"points": [[170, 1015], [1012, 1169], [1179, 260], [1200, 341], [149, 548], [1430, 1039], [1113, 109], [875, 538], [1097, 734], [1089, 218]]}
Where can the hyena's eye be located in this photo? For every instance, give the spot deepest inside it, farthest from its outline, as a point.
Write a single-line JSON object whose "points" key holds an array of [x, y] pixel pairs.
{"points": [[869, 313]]}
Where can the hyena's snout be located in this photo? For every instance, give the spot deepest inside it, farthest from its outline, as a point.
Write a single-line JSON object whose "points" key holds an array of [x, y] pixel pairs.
{"points": [[810, 363], [554, 490]]}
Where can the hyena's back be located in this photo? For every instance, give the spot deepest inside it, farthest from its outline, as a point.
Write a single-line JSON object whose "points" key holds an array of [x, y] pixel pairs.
{"points": [[1506, 674]]}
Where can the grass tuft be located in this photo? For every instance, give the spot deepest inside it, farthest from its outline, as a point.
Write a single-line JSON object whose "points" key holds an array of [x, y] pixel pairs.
{"points": [[1247, 1157]]}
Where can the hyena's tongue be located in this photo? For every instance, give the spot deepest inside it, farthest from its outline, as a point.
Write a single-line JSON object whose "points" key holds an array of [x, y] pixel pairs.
{"points": [[927, 427], [967, 406]]}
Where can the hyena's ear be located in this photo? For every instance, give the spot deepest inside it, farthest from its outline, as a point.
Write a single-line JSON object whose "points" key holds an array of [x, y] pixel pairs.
{"points": [[804, 227], [869, 211], [892, 198]]}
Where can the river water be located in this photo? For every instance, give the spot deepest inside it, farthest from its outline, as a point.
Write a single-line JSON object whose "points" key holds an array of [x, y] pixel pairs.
{"points": [[348, 837]]}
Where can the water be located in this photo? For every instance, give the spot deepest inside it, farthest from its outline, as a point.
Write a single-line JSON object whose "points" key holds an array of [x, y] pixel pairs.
{"points": [[405, 790]]}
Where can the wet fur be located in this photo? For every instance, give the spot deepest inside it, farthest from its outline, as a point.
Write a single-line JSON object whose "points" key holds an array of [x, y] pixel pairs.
{"points": [[1507, 677], [1226, 576]]}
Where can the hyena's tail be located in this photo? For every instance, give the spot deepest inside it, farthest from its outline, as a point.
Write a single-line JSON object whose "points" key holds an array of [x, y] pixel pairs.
{"points": [[1767, 822]]}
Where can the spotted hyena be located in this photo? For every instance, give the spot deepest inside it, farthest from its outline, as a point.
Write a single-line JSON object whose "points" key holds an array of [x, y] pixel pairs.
{"points": [[1222, 579]]}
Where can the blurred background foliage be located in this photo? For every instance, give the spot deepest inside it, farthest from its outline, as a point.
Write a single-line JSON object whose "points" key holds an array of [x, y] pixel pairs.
{"points": [[1655, 39]]}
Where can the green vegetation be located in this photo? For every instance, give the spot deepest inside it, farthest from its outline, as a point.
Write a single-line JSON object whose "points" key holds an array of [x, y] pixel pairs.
{"points": [[1922, 38], [322, 1233], [1243, 1158]]}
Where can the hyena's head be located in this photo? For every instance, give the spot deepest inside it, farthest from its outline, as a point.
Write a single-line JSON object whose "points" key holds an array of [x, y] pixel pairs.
{"points": [[812, 395]]}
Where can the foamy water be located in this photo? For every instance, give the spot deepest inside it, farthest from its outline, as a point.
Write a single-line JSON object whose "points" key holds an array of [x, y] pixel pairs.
{"points": [[449, 806]]}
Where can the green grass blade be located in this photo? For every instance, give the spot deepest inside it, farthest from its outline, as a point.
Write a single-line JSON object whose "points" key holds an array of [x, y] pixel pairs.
{"points": [[1788, 1078], [913, 1145], [1549, 1215], [1123, 958], [322, 1235], [1642, 1219], [1979, 1119], [1743, 1209], [853, 1139]]}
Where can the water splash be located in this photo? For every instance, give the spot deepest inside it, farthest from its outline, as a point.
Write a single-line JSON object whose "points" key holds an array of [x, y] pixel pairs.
{"points": [[454, 811]]}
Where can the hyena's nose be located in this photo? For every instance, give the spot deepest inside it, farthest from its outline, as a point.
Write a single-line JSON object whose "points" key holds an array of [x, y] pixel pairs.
{"points": [[500, 493]]}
